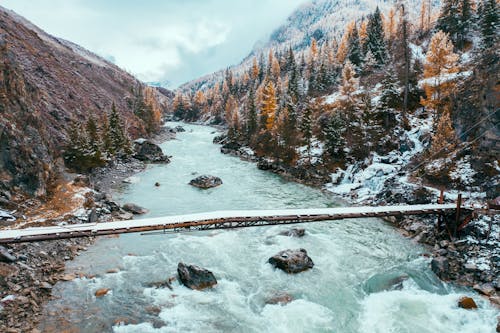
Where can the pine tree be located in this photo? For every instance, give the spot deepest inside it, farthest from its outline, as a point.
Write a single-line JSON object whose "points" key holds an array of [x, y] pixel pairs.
{"points": [[251, 114], [333, 133], [120, 142], [262, 68], [354, 48], [369, 63], [375, 37], [350, 84], [293, 76], [255, 70], [444, 138], [269, 106], [455, 19], [489, 24], [441, 61], [390, 97], [306, 128]]}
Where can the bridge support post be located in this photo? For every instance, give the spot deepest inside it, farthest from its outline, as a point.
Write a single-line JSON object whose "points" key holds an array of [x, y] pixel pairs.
{"points": [[458, 213]]}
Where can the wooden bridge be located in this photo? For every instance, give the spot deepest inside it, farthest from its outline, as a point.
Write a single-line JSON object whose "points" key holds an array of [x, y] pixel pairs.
{"points": [[219, 220]]}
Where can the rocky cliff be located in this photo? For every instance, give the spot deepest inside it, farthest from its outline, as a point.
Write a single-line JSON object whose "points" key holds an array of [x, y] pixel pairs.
{"points": [[45, 83]]}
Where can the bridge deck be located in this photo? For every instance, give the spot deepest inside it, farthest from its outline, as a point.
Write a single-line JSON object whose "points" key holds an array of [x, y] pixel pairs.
{"points": [[216, 220]]}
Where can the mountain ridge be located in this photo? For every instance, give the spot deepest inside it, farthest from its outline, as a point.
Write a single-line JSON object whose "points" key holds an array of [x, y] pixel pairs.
{"points": [[46, 83]]}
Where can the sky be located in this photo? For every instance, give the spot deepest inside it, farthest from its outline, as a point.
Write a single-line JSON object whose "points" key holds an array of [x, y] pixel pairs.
{"points": [[166, 41]]}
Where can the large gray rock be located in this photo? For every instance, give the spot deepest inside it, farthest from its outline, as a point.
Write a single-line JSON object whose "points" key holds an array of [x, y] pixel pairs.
{"points": [[147, 151], [206, 181], [5, 256], [195, 277], [134, 209], [441, 266], [292, 261], [294, 232]]}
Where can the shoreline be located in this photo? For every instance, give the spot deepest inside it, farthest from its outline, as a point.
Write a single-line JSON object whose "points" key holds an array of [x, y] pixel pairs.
{"points": [[27, 281], [449, 258], [21, 315]]}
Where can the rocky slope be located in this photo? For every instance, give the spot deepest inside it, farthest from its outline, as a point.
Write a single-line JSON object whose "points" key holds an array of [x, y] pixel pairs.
{"points": [[45, 83]]}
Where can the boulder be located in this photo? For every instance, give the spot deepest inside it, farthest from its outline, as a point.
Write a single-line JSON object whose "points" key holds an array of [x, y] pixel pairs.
{"points": [[147, 151], [486, 289], [292, 261], [179, 129], [81, 181], [280, 298], [440, 266], [467, 303], [134, 209], [93, 217], [195, 277], [206, 181], [220, 139], [101, 292], [294, 232], [5, 256]]}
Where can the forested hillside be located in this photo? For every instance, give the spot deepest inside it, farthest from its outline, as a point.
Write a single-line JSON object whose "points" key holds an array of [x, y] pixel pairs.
{"points": [[50, 89], [419, 87]]}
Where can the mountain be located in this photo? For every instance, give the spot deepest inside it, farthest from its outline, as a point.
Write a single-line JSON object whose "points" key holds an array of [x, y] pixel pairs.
{"points": [[320, 19], [46, 83]]}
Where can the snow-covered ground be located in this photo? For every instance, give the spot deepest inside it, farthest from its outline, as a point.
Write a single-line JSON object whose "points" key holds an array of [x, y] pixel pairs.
{"points": [[6, 216], [361, 184]]}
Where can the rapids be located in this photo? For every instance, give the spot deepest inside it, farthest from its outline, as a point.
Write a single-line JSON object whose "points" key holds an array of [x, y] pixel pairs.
{"points": [[346, 291]]}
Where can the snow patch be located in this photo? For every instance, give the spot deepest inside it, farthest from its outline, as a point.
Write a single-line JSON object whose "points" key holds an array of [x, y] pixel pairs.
{"points": [[463, 172]]}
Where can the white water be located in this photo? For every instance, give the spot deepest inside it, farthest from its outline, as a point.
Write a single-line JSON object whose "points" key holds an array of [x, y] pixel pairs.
{"points": [[353, 259]]}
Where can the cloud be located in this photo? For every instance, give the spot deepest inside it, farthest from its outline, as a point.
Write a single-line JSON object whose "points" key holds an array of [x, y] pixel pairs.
{"points": [[175, 40]]}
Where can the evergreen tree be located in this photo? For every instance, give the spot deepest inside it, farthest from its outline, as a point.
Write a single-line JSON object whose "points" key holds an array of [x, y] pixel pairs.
{"points": [[489, 23], [306, 128], [333, 133], [262, 68], [375, 37], [390, 97], [251, 114], [293, 76], [120, 142], [354, 48], [456, 20]]}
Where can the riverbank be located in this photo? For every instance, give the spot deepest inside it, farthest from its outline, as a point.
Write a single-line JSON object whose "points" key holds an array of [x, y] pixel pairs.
{"points": [[472, 259], [29, 271]]}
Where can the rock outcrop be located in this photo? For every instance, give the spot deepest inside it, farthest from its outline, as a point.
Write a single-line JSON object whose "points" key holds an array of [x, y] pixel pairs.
{"points": [[206, 181], [147, 151], [195, 277], [292, 261]]}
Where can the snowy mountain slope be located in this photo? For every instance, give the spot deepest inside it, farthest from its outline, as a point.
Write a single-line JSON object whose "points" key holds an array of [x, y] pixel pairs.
{"points": [[318, 19]]}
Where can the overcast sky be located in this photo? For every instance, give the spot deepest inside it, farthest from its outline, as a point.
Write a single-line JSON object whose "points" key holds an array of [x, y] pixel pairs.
{"points": [[161, 40]]}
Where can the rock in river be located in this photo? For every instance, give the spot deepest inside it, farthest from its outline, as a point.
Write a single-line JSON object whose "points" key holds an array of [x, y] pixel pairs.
{"points": [[195, 277], [134, 209], [292, 261], [147, 151], [294, 232], [440, 266], [467, 303], [206, 181]]}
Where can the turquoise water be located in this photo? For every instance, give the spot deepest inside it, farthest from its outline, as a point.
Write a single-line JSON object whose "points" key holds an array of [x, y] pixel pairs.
{"points": [[344, 292]]}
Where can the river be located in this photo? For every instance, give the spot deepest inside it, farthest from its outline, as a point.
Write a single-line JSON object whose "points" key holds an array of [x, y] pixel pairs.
{"points": [[344, 292]]}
